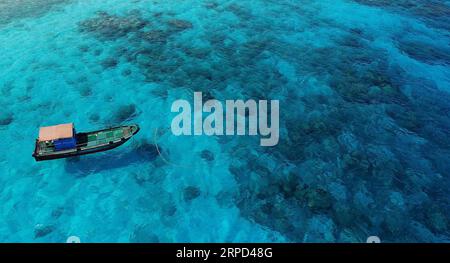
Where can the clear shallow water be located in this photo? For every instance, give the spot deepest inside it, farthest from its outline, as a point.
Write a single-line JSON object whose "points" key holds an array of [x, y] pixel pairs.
{"points": [[364, 147]]}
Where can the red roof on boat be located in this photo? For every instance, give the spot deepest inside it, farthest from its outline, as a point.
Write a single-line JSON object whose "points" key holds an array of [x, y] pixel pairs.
{"points": [[60, 131]]}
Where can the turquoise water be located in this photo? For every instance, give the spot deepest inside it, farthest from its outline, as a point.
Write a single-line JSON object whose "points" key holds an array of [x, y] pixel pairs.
{"points": [[364, 99]]}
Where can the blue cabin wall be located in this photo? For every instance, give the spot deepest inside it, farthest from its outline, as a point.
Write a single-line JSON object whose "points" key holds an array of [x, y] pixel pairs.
{"points": [[65, 144]]}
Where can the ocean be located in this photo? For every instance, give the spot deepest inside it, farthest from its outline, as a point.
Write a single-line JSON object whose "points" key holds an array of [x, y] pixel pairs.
{"points": [[364, 145]]}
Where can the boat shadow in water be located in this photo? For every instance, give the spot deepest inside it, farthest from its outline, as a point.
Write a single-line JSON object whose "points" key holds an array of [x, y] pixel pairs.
{"points": [[84, 165]]}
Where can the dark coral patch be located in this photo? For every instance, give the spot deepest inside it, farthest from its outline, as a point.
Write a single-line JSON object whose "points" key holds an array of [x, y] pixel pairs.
{"points": [[190, 193], [109, 63], [6, 118], [147, 149], [125, 113], [426, 52], [179, 24], [155, 36], [143, 234], [41, 230], [207, 155], [108, 26]]}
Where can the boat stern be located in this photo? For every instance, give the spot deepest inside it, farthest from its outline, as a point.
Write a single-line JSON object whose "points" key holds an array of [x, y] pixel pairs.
{"points": [[36, 149]]}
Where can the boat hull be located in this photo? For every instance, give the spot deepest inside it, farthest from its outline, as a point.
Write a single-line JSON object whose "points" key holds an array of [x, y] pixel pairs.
{"points": [[78, 153]]}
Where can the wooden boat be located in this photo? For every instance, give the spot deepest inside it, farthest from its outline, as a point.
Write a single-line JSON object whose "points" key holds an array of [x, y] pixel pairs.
{"points": [[61, 141]]}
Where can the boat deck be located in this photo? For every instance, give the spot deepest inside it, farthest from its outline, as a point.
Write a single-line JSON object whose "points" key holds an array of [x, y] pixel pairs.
{"points": [[104, 137]]}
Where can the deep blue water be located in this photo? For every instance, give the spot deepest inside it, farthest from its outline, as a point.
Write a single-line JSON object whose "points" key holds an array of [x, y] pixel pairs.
{"points": [[364, 98]]}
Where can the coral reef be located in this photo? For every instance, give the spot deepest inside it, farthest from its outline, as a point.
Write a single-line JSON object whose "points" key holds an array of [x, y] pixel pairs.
{"points": [[125, 113], [109, 26], [6, 118], [207, 155], [190, 193], [41, 230]]}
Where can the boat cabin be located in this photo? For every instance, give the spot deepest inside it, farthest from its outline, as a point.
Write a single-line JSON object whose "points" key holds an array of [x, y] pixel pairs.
{"points": [[62, 137]]}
